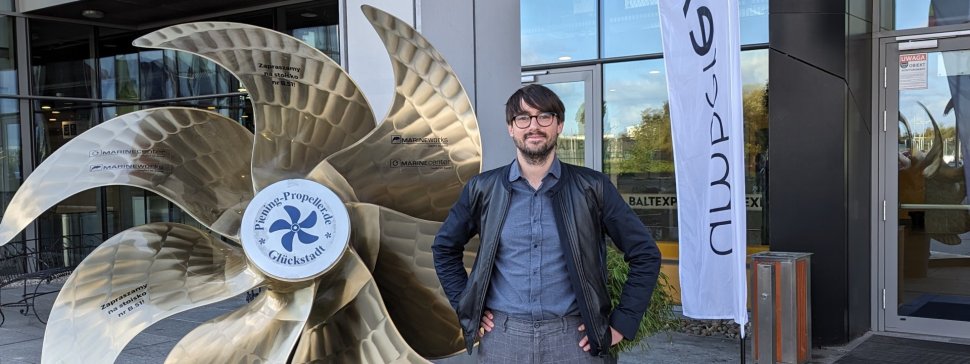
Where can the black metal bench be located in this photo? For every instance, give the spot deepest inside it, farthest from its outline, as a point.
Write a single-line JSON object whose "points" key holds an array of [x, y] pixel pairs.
{"points": [[34, 271]]}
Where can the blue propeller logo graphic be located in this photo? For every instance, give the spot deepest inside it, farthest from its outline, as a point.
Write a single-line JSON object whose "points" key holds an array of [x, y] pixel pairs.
{"points": [[295, 228]]}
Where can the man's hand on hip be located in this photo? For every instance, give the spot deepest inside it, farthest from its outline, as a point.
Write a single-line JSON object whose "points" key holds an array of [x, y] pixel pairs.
{"points": [[487, 324], [584, 342]]}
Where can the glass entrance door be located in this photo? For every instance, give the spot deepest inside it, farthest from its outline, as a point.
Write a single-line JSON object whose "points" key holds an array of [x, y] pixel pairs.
{"points": [[925, 146], [581, 138]]}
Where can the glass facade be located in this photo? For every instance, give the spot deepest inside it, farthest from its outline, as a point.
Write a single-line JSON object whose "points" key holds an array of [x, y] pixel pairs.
{"points": [[62, 59], [10, 142], [637, 150], [81, 75], [10, 157], [632, 27], [578, 30], [8, 56], [910, 14], [572, 141], [555, 31]]}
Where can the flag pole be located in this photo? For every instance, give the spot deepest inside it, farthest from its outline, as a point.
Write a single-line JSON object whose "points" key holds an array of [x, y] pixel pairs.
{"points": [[742, 349]]}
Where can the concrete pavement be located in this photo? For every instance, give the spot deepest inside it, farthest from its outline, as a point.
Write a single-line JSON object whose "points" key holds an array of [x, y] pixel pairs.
{"points": [[21, 339]]}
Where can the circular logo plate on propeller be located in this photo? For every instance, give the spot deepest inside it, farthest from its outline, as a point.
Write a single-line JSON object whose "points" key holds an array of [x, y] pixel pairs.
{"points": [[295, 229]]}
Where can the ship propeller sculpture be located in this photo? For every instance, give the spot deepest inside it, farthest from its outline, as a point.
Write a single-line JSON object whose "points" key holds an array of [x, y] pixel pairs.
{"points": [[331, 212]]}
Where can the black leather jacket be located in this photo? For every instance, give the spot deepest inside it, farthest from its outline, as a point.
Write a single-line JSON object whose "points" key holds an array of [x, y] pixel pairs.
{"points": [[586, 205]]}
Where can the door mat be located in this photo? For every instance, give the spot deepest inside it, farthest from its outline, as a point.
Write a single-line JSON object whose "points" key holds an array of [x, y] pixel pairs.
{"points": [[896, 350]]}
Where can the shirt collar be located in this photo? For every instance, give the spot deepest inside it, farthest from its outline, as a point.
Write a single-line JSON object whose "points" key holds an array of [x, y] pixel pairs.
{"points": [[515, 172]]}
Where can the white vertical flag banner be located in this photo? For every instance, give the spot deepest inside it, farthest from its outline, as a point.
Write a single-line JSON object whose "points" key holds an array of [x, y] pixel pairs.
{"points": [[702, 52]]}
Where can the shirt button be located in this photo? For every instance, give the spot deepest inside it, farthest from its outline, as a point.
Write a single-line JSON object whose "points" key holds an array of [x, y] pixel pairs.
{"points": [[536, 325], [535, 246]]}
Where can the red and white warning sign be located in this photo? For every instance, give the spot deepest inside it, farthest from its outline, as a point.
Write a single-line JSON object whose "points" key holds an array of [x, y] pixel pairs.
{"points": [[912, 71]]}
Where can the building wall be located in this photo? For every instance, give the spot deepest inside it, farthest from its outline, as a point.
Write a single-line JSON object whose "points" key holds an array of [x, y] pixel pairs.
{"points": [[485, 56], [820, 72], [367, 61], [479, 39]]}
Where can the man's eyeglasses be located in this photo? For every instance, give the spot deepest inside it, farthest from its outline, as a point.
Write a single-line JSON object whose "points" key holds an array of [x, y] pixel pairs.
{"points": [[524, 120]]}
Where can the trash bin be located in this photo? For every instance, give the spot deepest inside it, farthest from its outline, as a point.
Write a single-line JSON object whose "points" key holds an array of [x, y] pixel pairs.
{"points": [[781, 284]]}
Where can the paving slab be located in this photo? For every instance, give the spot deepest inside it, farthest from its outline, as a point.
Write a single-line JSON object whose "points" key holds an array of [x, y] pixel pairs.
{"points": [[21, 338]]}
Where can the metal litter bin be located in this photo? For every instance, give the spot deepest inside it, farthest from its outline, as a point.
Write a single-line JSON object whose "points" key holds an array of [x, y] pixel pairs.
{"points": [[781, 284]]}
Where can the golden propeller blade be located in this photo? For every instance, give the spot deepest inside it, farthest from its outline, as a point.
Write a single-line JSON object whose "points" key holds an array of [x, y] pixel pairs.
{"points": [[264, 331], [135, 279], [324, 174], [404, 272], [229, 222], [428, 145], [306, 107], [188, 156], [360, 332], [338, 287]]}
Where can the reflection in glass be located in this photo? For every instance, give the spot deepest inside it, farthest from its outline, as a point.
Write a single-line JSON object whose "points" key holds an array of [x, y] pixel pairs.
{"points": [[260, 18], [638, 148], [61, 59], [555, 31], [571, 145], [158, 73], [200, 76], [934, 222], [127, 207], [754, 21], [316, 24], [633, 27], [10, 159], [8, 57], [910, 14], [57, 122], [119, 73], [76, 219]]}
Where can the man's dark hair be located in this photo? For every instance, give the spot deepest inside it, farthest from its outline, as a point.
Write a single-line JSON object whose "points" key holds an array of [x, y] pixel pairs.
{"points": [[537, 96]]}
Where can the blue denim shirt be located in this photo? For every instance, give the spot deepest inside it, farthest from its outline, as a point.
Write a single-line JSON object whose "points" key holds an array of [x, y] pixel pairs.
{"points": [[530, 280]]}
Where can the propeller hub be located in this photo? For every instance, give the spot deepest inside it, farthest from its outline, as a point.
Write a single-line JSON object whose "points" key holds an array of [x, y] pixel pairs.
{"points": [[295, 230]]}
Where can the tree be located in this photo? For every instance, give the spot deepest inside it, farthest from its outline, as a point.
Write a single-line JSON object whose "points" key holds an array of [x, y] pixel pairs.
{"points": [[648, 147]]}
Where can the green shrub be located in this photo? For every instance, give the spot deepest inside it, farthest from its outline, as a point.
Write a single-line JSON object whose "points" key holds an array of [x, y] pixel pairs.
{"points": [[659, 317]]}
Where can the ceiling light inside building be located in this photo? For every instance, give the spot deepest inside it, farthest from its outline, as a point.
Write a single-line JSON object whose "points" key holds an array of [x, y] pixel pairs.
{"points": [[55, 112], [45, 107], [565, 58], [241, 89], [654, 72], [92, 14]]}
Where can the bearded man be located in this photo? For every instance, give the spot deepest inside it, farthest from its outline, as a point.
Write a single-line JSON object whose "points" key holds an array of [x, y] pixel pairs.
{"points": [[537, 292]]}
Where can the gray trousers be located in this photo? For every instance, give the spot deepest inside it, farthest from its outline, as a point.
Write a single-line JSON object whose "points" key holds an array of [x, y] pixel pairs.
{"points": [[515, 341]]}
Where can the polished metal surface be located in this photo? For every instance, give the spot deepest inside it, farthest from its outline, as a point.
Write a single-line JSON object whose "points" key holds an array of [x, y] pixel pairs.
{"points": [[404, 272], [359, 332], [428, 146], [137, 278], [305, 106], [189, 156], [381, 300], [264, 331]]}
